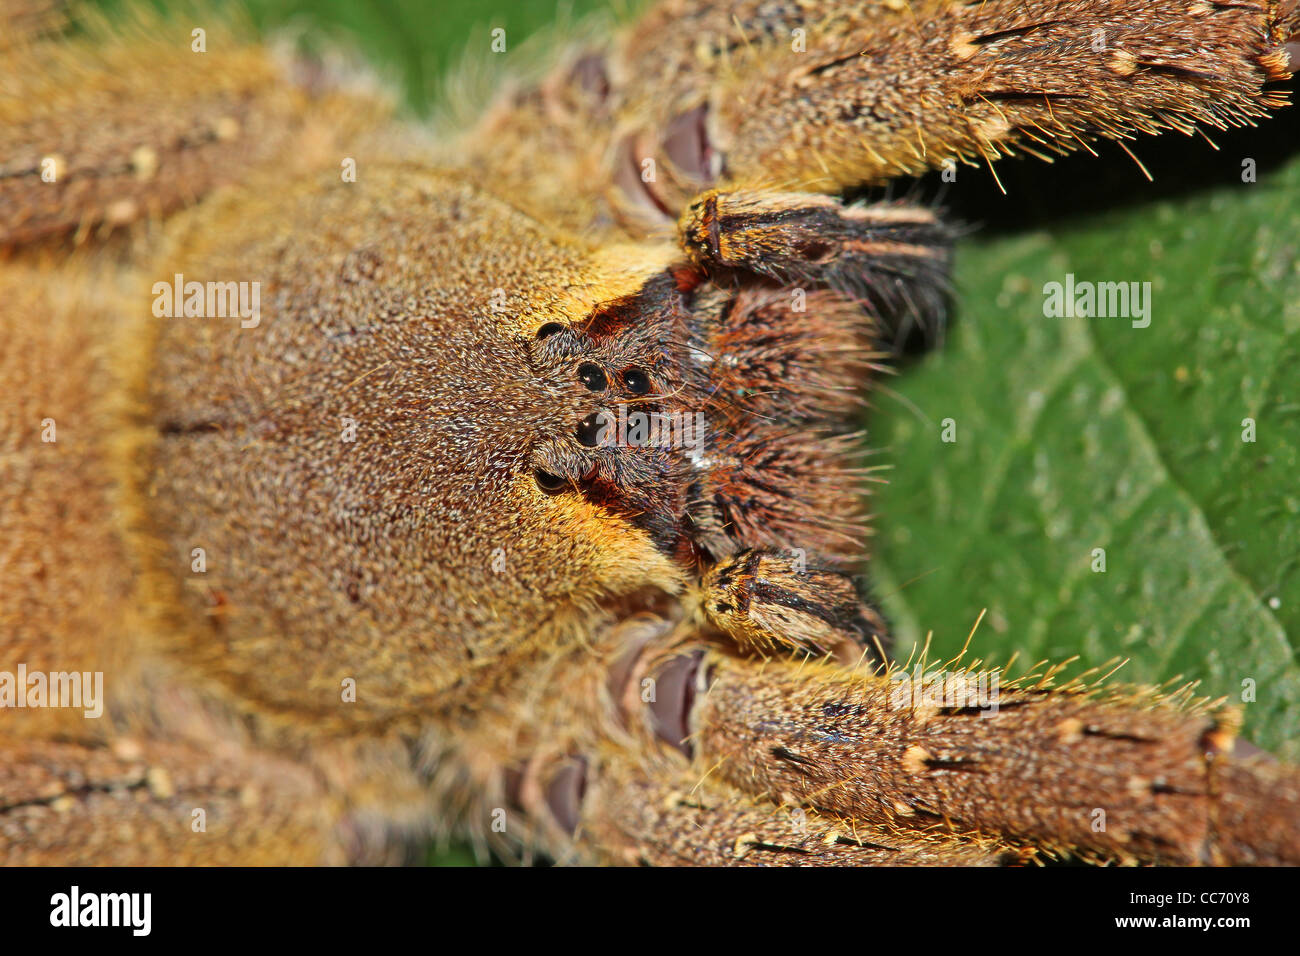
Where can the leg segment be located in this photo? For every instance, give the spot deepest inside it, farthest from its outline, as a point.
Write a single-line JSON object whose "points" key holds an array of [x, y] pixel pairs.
{"points": [[194, 105], [681, 752], [602, 772], [710, 758], [641, 817], [827, 96], [1118, 776], [141, 804], [893, 258], [814, 96], [768, 602]]}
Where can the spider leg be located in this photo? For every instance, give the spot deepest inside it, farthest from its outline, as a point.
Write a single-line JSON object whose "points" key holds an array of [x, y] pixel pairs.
{"points": [[894, 258], [190, 107], [1117, 774], [827, 96], [768, 601], [601, 771], [665, 746], [681, 751], [142, 803], [641, 815]]}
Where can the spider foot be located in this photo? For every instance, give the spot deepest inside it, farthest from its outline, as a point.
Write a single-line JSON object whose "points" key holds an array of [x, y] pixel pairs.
{"points": [[893, 258], [767, 600]]}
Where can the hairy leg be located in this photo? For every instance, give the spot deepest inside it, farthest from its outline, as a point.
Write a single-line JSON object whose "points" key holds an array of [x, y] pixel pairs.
{"points": [[651, 817], [194, 105], [601, 772], [664, 747], [893, 258], [149, 804], [771, 602], [825, 96], [65, 570], [120, 787], [812, 96], [1116, 774]]}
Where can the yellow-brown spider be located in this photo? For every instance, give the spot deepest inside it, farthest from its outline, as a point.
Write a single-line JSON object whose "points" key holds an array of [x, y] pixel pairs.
{"points": [[504, 485]]}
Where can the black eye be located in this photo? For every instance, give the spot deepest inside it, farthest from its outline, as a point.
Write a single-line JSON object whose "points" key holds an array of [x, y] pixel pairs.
{"points": [[548, 482], [593, 376], [637, 381], [591, 430], [550, 328]]}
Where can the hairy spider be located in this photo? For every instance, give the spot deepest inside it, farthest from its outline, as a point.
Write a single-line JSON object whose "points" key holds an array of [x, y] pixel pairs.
{"points": [[506, 485]]}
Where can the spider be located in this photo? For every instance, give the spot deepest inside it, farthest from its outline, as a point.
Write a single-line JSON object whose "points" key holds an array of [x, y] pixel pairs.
{"points": [[505, 484]]}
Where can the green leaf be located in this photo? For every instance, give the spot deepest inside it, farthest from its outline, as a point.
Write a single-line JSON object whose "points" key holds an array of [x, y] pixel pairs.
{"points": [[1075, 434]]}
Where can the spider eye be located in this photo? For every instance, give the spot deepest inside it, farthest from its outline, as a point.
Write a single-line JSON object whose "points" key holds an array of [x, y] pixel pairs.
{"points": [[548, 482], [637, 381], [593, 376], [591, 430], [549, 329]]}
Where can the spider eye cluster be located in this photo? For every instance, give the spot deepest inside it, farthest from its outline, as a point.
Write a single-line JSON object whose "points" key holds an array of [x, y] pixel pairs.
{"points": [[607, 363], [713, 418], [636, 381], [615, 373]]}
